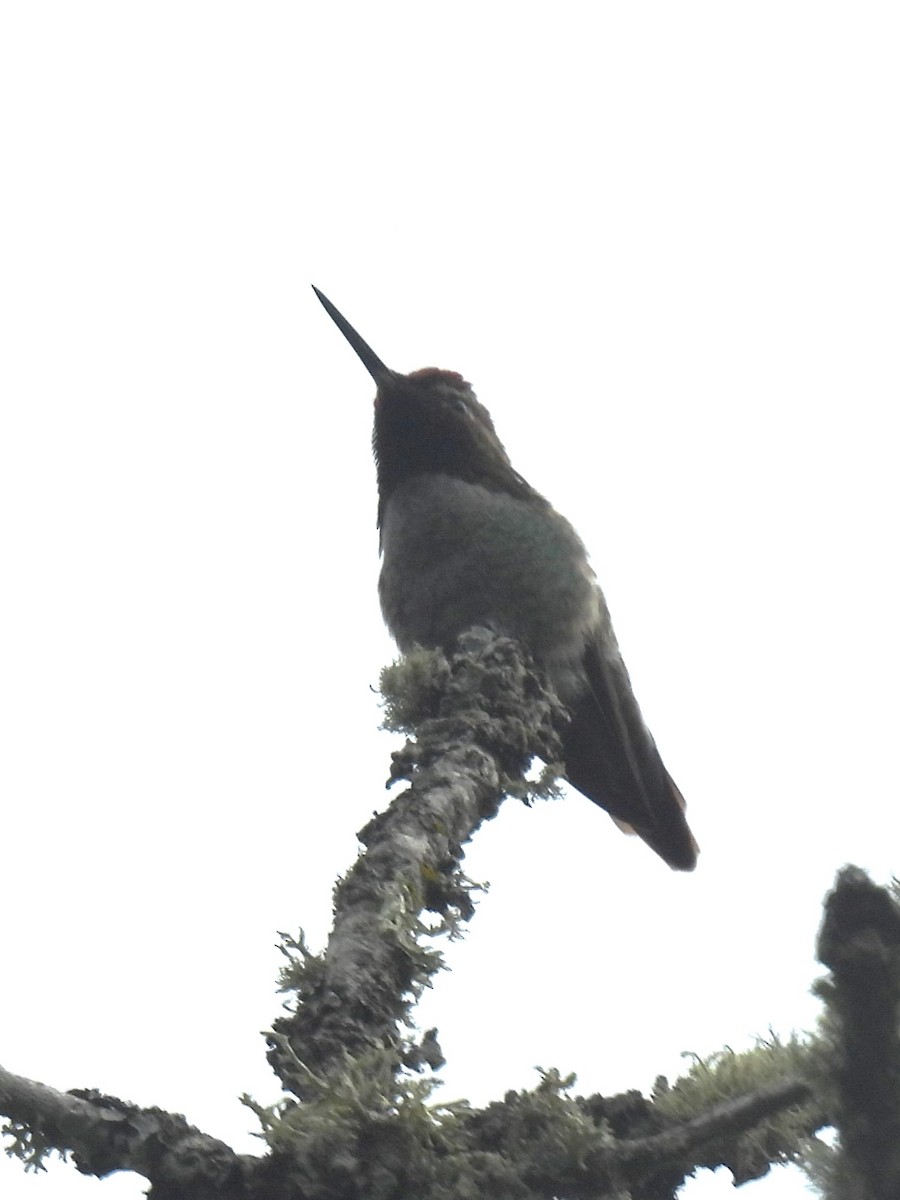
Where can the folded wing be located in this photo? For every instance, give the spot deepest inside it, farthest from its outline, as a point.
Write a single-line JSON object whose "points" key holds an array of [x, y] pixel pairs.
{"points": [[612, 759]]}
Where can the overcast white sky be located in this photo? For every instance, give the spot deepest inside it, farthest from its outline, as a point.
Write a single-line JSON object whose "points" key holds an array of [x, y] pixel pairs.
{"points": [[662, 241]]}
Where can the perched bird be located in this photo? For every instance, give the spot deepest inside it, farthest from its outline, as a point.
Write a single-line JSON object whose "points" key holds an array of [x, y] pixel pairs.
{"points": [[467, 541]]}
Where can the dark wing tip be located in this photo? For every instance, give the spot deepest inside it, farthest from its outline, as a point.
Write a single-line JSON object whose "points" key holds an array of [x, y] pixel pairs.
{"points": [[670, 837], [677, 844], [611, 758]]}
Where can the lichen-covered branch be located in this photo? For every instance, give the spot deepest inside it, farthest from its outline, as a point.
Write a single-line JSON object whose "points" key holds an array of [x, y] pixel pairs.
{"points": [[104, 1134], [628, 1145], [776, 1084], [366, 1137], [353, 1124], [479, 720], [860, 943], [713, 1139]]}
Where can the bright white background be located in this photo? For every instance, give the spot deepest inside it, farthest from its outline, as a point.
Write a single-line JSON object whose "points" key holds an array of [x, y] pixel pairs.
{"points": [[662, 241]]}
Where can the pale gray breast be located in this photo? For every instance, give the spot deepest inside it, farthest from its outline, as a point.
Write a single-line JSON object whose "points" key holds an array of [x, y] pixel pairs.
{"points": [[457, 554]]}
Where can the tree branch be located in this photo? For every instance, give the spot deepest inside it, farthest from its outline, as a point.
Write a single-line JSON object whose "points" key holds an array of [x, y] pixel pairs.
{"points": [[104, 1134], [361, 1127], [479, 720], [724, 1125], [860, 942], [531, 1144]]}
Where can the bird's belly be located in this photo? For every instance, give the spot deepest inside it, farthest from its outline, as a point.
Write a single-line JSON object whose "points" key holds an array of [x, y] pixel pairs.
{"points": [[457, 554]]}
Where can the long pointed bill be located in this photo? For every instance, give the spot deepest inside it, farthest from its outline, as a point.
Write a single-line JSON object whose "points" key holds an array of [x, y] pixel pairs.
{"points": [[370, 360]]}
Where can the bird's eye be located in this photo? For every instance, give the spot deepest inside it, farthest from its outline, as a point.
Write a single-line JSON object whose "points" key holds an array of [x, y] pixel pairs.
{"points": [[460, 404]]}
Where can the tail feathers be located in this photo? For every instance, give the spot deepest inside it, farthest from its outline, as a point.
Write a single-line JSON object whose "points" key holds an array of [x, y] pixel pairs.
{"points": [[611, 758]]}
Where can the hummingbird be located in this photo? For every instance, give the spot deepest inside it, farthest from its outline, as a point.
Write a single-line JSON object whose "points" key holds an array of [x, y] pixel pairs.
{"points": [[467, 541]]}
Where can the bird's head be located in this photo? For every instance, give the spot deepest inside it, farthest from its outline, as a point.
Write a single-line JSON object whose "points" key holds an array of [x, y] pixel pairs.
{"points": [[430, 421]]}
